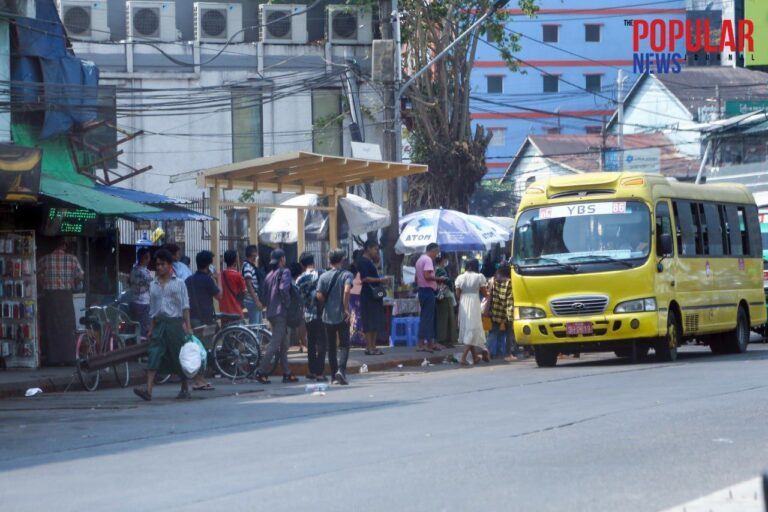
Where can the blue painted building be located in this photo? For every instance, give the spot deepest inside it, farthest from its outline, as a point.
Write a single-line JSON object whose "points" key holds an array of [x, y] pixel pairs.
{"points": [[566, 83]]}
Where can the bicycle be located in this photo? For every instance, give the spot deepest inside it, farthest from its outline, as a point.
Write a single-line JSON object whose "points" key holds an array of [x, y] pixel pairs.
{"points": [[102, 335], [236, 348]]}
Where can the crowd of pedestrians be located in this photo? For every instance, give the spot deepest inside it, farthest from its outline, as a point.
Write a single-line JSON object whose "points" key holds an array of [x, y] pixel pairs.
{"points": [[323, 310]]}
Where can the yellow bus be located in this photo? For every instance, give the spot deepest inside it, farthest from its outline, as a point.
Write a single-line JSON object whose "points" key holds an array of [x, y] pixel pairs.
{"points": [[626, 262]]}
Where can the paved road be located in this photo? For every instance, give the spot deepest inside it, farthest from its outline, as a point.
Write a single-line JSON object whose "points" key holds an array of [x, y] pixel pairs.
{"points": [[590, 435]]}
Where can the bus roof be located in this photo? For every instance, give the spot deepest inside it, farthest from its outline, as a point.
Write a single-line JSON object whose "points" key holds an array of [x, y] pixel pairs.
{"points": [[590, 186]]}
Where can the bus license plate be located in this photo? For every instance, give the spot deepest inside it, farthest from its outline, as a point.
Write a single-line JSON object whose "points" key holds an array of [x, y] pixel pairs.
{"points": [[577, 328]]}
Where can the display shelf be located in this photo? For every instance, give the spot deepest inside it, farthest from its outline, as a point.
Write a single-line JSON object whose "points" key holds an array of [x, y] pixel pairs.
{"points": [[19, 340]]}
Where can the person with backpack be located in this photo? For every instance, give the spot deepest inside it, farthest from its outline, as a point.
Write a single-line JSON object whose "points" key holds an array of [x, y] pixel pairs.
{"points": [[315, 331], [333, 292], [281, 311], [254, 281]]}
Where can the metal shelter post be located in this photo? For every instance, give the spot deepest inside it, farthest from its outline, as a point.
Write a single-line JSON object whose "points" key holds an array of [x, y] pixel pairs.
{"points": [[300, 242], [215, 192], [333, 235], [253, 224]]}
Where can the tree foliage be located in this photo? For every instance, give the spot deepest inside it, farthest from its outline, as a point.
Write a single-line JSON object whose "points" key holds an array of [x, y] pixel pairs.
{"points": [[441, 132]]}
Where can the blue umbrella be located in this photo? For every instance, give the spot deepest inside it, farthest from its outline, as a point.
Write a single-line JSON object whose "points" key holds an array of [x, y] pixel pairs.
{"points": [[453, 231]]}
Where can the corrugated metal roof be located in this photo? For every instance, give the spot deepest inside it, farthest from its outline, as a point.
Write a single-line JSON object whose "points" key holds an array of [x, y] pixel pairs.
{"points": [[140, 196]]}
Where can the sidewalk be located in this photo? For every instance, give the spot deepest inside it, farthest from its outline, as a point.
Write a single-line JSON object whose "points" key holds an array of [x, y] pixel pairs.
{"points": [[14, 382]]}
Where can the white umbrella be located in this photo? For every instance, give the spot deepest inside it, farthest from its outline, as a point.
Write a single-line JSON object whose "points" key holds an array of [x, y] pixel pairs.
{"points": [[362, 215], [506, 222], [282, 227], [452, 230]]}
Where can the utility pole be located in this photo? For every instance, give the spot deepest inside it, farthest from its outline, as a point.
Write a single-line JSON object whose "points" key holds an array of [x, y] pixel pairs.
{"points": [[620, 110], [392, 108], [390, 30]]}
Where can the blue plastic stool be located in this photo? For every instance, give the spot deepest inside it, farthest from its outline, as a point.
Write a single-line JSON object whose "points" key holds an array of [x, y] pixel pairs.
{"points": [[405, 331]]}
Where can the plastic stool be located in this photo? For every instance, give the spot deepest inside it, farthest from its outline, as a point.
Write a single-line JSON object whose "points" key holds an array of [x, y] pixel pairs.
{"points": [[405, 331]]}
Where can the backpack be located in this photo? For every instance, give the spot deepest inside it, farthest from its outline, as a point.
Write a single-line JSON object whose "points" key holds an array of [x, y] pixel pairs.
{"points": [[295, 310]]}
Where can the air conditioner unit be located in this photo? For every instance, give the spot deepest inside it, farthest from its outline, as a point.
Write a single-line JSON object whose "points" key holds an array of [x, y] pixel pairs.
{"points": [[283, 24], [218, 23], [24, 8], [85, 19], [151, 20], [349, 25]]}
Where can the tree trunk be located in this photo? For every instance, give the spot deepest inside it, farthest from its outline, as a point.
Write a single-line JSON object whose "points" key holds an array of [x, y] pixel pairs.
{"points": [[453, 175]]}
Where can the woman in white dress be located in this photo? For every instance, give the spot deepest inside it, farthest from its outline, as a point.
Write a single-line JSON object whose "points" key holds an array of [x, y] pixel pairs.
{"points": [[469, 286]]}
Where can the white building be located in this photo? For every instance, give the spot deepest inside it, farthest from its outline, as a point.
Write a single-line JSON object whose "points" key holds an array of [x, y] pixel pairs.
{"points": [[210, 83], [683, 105]]}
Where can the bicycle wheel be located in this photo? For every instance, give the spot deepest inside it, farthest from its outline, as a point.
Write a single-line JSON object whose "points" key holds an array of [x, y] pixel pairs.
{"points": [[85, 348], [122, 370], [265, 338], [236, 352]]}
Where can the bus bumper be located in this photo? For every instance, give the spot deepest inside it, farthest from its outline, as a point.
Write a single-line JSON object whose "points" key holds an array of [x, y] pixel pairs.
{"points": [[605, 328]]}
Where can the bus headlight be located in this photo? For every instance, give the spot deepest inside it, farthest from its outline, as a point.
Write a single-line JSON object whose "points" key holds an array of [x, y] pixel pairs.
{"points": [[529, 313], [636, 306]]}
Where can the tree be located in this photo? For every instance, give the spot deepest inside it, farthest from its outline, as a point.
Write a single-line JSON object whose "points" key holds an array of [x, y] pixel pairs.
{"points": [[441, 134]]}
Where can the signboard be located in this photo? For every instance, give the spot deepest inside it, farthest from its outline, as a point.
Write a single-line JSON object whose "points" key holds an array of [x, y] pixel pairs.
{"points": [[739, 107], [70, 222], [647, 160], [366, 151], [757, 12], [19, 173], [582, 209]]}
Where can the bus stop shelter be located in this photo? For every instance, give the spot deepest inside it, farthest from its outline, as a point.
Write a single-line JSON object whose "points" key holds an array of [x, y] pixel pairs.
{"points": [[297, 172]]}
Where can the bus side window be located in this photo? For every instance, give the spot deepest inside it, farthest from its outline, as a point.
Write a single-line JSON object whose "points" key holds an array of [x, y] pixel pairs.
{"points": [[734, 230], [685, 225], [714, 229], [743, 231], [724, 228], [663, 225], [753, 229], [702, 245]]}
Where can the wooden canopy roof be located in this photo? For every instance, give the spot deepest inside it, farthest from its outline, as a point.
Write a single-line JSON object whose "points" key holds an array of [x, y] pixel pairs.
{"points": [[304, 173]]}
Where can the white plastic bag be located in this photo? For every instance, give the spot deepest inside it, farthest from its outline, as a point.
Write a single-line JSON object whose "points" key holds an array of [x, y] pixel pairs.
{"points": [[190, 359]]}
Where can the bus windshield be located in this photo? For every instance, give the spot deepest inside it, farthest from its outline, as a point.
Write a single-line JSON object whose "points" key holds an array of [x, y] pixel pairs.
{"points": [[566, 236]]}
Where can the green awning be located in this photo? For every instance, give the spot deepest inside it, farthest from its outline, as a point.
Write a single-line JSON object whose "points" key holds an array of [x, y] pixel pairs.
{"points": [[91, 198]]}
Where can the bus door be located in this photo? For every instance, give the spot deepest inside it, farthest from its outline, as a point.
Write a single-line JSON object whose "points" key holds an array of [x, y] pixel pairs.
{"points": [[666, 257]]}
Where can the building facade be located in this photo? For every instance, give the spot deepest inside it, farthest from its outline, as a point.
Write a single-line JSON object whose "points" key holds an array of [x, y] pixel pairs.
{"points": [[262, 86], [571, 55]]}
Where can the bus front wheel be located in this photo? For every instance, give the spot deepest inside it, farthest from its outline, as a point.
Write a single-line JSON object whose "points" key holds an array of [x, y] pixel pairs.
{"points": [[666, 347], [546, 357]]}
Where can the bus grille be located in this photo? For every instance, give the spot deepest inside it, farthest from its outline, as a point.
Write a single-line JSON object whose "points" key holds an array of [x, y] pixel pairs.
{"points": [[578, 306]]}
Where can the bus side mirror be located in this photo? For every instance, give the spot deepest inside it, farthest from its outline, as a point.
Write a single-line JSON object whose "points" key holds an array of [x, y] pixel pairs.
{"points": [[666, 244]]}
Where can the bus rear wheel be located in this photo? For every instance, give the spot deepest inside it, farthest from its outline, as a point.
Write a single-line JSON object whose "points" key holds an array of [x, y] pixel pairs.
{"points": [[666, 347], [546, 357]]}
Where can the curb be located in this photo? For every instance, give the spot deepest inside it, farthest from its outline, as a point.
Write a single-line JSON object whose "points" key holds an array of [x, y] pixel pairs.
{"points": [[298, 368]]}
